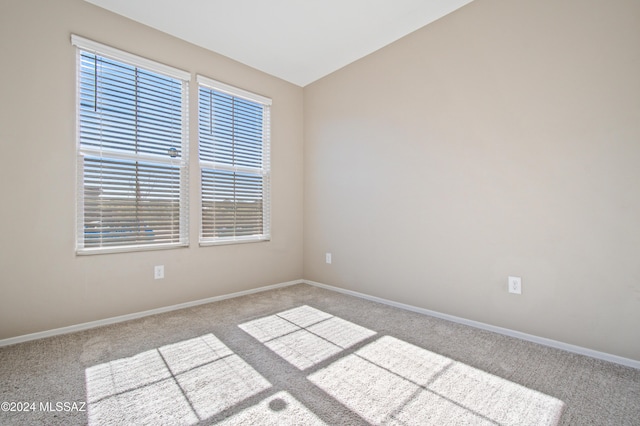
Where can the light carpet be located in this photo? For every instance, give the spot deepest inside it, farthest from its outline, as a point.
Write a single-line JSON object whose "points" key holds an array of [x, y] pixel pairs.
{"points": [[301, 355]]}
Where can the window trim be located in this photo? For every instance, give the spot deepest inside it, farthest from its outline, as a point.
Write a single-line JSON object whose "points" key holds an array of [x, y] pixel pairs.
{"points": [[211, 84], [129, 58], [85, 45]]}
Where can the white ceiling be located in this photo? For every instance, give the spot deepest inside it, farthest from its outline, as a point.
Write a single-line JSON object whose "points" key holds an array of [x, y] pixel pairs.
{"points": [[299, 41]]}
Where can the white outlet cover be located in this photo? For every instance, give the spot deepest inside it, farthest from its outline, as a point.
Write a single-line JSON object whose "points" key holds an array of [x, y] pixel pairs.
{"points": [[158, 272], [328, 257], [515, 285]]}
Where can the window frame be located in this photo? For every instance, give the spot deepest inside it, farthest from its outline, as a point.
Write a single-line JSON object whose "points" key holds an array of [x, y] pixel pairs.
{"points": [[207, 83], [149, 160]]}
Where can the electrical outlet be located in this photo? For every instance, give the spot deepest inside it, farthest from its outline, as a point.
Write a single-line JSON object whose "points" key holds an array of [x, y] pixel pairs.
{"points": [[515, 285], [327, 257], [158, 272]]}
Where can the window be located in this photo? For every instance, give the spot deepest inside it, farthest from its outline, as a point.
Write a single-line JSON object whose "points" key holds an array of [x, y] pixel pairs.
{"points": [[132, 151], [233, 129]]}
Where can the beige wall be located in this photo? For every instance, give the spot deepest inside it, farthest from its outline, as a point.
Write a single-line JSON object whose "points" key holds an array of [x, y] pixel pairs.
{"points": [[43, 284], [503, 139]]}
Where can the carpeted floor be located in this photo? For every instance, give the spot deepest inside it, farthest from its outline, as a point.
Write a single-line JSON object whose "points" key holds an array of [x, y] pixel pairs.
{"points": [[304, 355]]}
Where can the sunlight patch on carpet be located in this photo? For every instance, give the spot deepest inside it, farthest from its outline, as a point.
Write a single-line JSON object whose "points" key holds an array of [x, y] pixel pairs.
{"points": [[391, 381], [303, 349], [188, 354], [306, 336], [304, 316], [220, 385], [280, 409], [182, 383]]}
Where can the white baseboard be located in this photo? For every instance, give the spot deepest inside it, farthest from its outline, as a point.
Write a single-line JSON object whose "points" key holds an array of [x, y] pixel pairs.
{"points": [[500, 330], [505, 331], [128, 317]]}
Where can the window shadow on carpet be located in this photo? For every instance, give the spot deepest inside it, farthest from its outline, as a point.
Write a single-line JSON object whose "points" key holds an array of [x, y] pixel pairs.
{"points": [[183, 384], [381, 379], [390, 381]]}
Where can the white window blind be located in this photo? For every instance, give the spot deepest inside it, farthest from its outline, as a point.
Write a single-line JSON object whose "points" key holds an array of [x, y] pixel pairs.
{"points": [[132, 151], [234, 136]]}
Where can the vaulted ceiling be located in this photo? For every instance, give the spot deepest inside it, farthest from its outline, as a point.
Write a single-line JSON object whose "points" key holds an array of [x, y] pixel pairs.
{"points": [[299, 41]]}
